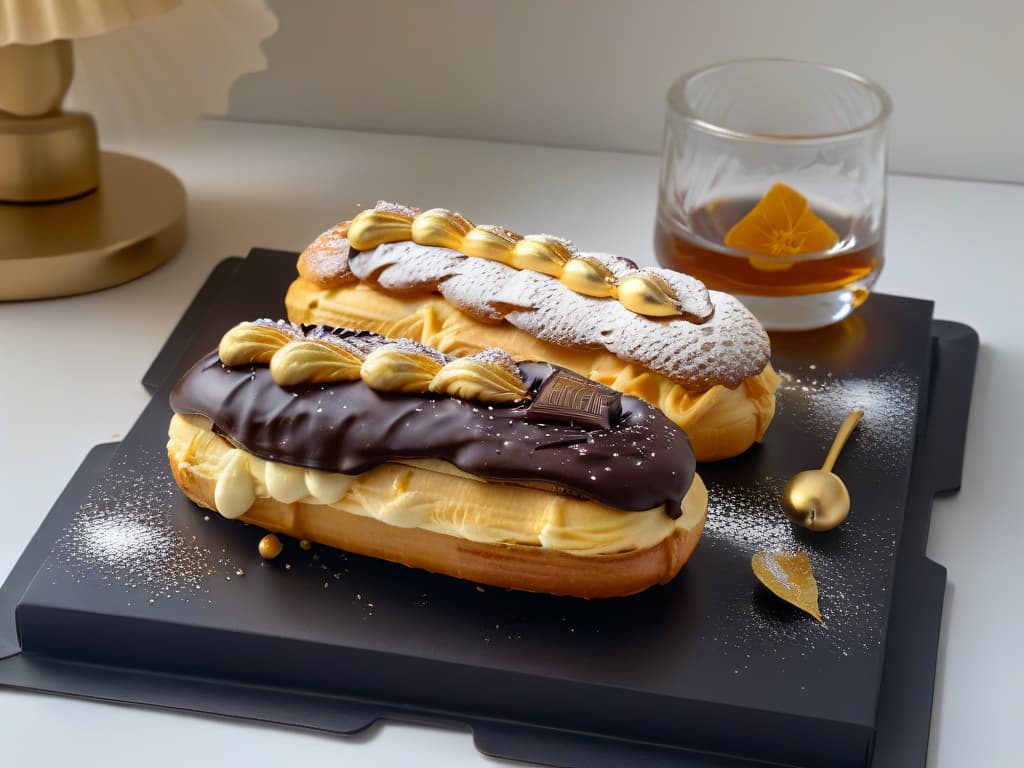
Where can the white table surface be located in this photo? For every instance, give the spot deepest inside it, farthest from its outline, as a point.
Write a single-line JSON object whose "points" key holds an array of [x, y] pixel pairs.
{"points": [[70, 371]]}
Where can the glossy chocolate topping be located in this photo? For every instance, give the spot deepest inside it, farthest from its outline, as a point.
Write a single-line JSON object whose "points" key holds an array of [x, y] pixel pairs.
{"points": [[641, 461]]}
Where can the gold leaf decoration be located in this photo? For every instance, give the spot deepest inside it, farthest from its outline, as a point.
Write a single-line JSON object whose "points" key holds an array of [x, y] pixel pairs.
{"points": [[788, 575]]}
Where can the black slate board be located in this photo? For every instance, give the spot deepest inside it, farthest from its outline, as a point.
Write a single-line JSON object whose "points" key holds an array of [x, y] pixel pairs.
{"points": [[127, 578]]}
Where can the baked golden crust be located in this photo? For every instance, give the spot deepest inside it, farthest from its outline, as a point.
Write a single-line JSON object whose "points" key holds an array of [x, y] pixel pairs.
{"points": [[195, 463], [720, 421]]}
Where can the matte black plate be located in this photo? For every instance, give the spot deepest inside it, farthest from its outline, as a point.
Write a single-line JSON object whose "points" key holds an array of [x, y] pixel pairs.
{"points": [[126, 577]]}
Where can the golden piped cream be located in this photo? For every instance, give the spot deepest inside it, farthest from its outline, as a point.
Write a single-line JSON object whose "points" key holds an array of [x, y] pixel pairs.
{"points": [[490, 242], [471, 379], [588, 276], [374, 227], [644, 294], [541, 253], [647, 294], [313, 362], [432, 498], [253, 343], [394, 368], [440, 227]]}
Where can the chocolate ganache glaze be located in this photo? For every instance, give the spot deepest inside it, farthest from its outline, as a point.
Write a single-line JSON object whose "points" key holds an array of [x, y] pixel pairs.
{"points": [[642, 460]]}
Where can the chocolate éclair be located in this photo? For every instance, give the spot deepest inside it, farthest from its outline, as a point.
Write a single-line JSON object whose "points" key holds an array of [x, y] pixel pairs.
{"points": [[515, 474]]}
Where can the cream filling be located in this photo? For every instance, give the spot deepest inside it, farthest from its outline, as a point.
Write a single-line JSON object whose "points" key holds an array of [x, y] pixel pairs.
{"points": [[432, 495]]}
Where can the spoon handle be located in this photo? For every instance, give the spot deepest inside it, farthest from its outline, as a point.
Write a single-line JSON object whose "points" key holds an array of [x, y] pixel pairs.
{"points": [[849, 424]]}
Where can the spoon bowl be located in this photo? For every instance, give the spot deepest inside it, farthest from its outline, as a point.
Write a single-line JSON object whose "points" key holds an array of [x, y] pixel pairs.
{"points": [[817, 498]]}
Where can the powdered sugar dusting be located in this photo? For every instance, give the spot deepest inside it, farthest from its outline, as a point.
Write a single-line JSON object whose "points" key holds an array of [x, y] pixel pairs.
{"points": [[726, 349], [123, 536], [501, 232], [889, 402], [851, 587], [462, 289], [420, 270], [414, 348], [280, 325], [619, 266], [324, 262], [383, 206], [569, 245], [498, 358], [777, 571], [556, 315], [848, 562], [691, 294]]}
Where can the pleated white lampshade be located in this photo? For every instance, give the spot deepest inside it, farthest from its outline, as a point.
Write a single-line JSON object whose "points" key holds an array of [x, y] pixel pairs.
{"points": [[160, 65], [30, 22]]}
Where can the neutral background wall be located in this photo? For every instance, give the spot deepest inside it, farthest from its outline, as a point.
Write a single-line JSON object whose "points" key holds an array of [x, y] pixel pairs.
{"points": [[593, 73]]}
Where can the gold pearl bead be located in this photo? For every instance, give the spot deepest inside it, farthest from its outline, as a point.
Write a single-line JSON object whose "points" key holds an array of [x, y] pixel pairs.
{"points": [[270, 547]]}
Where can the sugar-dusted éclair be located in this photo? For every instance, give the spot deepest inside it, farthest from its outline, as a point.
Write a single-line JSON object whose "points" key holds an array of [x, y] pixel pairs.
{"points": [[435, 277]]}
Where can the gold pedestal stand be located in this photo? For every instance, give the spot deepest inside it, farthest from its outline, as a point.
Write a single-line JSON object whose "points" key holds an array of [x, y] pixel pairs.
{"points": [[72, 219], [132, 223]]}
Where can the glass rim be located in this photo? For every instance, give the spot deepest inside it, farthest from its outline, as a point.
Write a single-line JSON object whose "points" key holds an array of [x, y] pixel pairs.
{"points": [[679, 106]]}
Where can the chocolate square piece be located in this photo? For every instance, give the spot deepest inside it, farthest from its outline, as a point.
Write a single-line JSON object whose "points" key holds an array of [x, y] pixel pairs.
{"points": [[568, 398]]}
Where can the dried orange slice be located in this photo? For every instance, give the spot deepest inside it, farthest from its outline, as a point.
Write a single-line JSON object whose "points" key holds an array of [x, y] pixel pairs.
{"points": [[782, 224], [788, 575]]}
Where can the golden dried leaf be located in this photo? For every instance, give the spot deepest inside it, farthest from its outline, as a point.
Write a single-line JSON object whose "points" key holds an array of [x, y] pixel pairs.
{"points": [[788, 575], [781, 225]]}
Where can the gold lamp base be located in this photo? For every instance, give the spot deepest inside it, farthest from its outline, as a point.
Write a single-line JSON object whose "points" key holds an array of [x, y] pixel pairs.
{"points": [[131, 224]]}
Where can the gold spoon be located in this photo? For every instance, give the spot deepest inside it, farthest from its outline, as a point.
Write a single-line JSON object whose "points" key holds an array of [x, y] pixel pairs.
{"points": [[817, 498]]}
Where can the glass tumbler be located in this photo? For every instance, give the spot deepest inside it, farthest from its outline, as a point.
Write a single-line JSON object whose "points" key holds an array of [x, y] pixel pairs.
{"points": [[772, 187]]}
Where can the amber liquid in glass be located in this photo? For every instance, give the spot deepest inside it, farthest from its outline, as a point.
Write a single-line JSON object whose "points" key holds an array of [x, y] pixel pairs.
{"points": [[853, 263]]}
